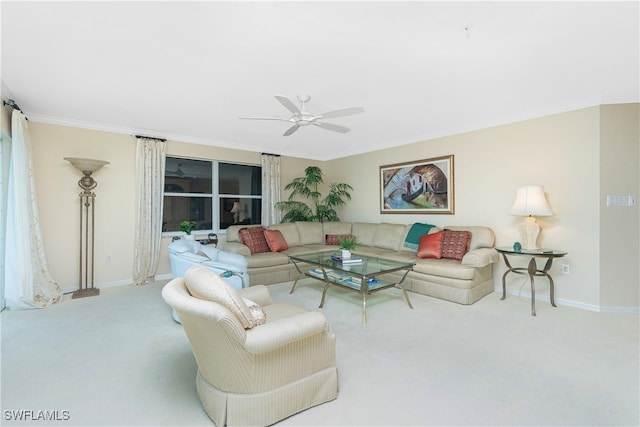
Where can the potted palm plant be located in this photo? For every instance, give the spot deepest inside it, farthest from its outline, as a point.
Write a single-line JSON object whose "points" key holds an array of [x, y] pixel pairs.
{"points": [[321, 209]]}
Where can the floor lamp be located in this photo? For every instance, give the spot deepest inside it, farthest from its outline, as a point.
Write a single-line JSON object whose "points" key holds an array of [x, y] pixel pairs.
{"points": [[87, 220]]}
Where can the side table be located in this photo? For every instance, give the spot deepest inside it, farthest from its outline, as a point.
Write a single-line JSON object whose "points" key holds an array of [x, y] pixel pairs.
{"points": [[531, 270]]}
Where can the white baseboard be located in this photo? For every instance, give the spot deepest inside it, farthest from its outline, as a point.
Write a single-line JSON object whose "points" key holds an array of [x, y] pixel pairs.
{"points": [[571, 303], [115, 283]]}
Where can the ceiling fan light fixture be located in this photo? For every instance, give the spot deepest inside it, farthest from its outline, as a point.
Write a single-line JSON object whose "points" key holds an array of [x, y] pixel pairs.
{"points": [[301, 117]]}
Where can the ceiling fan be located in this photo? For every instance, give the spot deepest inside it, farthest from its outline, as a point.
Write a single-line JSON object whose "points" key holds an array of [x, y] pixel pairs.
{"points": [[301, 117], [178, 172]]}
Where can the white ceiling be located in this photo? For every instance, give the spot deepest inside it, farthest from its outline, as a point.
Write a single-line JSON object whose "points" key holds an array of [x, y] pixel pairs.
{"points": [[188, 70]]}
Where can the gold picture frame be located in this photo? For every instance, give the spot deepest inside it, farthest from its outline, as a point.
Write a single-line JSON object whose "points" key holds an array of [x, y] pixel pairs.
{"points": [[419, 187]]}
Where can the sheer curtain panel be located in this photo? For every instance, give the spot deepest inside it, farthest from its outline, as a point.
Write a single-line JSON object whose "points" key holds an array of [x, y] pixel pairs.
{"points": [[150, 165], [28, 282], [270, 189]]}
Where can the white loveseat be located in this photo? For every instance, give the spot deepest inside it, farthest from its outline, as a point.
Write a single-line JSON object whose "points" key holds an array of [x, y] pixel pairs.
{"points": [[462, 281]]}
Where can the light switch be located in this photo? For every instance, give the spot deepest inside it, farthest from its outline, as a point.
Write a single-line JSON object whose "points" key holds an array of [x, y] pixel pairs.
{"points": [[626, 201]]}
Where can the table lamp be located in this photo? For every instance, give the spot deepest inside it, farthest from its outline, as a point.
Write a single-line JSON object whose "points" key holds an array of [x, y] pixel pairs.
{"points": [[236, 209], [530, 201]]}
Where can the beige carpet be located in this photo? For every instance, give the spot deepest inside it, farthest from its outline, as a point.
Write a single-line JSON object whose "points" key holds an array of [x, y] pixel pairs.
{"points": [[119, 359]]}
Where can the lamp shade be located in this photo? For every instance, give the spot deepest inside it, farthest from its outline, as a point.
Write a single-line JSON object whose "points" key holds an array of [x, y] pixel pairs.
{"points": [[530, 200], [86, 165], [237, 207]]}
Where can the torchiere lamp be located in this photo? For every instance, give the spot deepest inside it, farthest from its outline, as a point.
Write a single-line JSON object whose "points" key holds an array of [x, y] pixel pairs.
{"points": [[530, 201], [87, 219]]}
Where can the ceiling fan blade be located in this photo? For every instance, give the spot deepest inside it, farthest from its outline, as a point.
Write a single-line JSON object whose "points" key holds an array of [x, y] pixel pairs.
{"points": [[291, 130], [331, 126], [340, 112], [288, 104], [263, 118]]}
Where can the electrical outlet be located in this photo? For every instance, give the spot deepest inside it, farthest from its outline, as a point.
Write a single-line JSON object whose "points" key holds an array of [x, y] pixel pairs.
{"points": [[566, 269]]}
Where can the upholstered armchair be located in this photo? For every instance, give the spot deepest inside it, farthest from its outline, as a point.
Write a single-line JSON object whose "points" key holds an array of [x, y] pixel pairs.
{"points": [[184, 253], [258, 361]]}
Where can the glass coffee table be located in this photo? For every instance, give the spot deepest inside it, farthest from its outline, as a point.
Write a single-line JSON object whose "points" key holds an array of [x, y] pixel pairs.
{"points": [[361, 277]]}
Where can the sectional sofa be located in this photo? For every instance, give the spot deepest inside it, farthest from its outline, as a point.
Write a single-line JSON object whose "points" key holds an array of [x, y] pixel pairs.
{"points": [[463, 281]]}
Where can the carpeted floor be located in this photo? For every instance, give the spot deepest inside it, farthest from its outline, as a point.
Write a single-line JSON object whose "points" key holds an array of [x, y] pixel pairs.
{"points": [[120, 360]]}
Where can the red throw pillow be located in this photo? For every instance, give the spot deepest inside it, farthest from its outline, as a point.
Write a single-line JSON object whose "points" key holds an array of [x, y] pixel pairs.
{"points": [[334, 239], [275, 240], [430, 245], [253, 238], [455, 244]]}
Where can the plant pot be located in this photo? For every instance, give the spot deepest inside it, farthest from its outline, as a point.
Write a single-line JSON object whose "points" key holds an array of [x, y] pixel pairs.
{"points": [[189, 237], [346, 253]]}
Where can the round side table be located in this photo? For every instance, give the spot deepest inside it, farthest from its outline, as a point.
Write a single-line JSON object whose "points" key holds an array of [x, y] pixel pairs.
{"points": [[531, 270]]}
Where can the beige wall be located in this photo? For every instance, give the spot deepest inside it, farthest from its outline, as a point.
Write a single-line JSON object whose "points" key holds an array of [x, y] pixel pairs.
{"points": [[56, 183], [562, 152], [619, 226]]}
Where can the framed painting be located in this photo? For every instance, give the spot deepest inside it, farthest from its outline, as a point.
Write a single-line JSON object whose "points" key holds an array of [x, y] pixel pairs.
{"points": [[421, 187]]}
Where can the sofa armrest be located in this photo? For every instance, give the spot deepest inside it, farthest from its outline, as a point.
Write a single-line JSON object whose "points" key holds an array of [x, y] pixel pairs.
{"points": [[237, 248], [234, 262], [480, 257], [258, 294], [270, 336]]}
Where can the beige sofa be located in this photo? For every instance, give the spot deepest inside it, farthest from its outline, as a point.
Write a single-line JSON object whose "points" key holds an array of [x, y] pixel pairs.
{"points": [[464, 282]]}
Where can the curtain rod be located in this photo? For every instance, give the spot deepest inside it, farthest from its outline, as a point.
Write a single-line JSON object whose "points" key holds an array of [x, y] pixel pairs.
{"points": [[150, 137], [270, 154], [11, 103]]}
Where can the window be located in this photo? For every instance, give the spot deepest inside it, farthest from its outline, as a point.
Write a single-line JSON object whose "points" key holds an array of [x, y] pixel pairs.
{"points": [[213, 194]]}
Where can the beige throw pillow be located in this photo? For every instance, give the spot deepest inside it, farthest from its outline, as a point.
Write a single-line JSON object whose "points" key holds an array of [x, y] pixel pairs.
{"points": [[205, 284]]}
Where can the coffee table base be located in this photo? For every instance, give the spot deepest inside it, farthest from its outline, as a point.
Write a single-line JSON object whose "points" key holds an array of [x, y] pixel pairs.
{"points": [[364, 289]]}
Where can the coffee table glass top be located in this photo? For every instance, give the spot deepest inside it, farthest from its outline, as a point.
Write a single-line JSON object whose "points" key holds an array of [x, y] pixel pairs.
{"points": [[370, 266]]}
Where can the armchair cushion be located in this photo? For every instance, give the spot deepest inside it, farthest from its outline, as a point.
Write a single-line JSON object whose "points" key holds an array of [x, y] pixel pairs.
{"points": [[204, 284]]}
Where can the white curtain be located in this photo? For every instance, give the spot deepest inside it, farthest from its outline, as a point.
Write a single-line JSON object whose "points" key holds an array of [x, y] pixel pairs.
{"points": [[28, 283], [270, 189], [150, 165]]}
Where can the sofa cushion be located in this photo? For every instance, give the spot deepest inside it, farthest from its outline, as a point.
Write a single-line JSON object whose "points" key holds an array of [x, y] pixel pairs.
{"points": [[455, 244], [336, 228], [275, 240], [253, 238], [204, 284], [268, 259], [430, 245], [389, 236], [365, 232], [448, 268], [334, 239], [416, 231], [310, 233], [289, 232]]}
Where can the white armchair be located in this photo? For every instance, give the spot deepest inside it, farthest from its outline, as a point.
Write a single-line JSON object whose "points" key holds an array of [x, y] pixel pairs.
{"points": [[184, 253], [251, 373]]}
